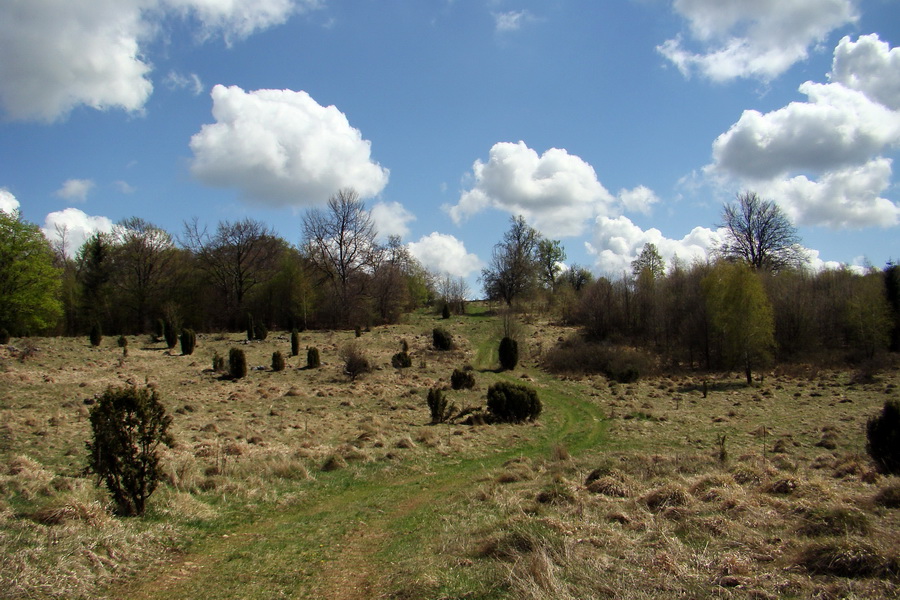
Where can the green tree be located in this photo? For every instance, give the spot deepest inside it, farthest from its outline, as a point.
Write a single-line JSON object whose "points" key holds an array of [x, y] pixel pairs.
{"points": [[649, 261], [29, 283], [742, 314], [550, 255], [94, 273], [868, 316]]}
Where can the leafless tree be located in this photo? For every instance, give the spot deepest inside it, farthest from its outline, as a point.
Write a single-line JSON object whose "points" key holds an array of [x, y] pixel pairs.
{"points": [[760, 234], [341, 243], [513, 271]]}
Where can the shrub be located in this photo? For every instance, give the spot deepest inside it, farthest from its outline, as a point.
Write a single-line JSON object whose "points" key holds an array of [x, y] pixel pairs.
{"points": [[355, 360], [460, 379], [441, 409], [442, 339], [237, 363], [619, 363], [159, 330], [171, 334], [295, 343], [122, 341], [445, 312], [277, 361], [251, 331], [4, 336], [509, 353], [260, 332], [883, 438], [218, 362], [188, 341], [513, 402], [312, 358], [401, 360], [128, 425], [96, 336]]}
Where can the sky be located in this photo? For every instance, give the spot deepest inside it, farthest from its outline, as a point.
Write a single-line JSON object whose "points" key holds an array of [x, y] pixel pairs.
{"points": [[607, 124]]}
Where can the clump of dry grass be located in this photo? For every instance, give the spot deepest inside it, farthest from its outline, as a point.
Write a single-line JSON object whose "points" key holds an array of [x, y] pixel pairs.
{"points": [[670, 495], [847, 557], [888, 496]]}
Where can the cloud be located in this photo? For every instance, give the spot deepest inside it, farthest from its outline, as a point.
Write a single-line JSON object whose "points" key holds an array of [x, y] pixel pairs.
{"points": [[56, 55], [391, 218], [77, 227], [124, 187], [761, 39], [512, 20], [75, 189], [281, 148], [870, 66], [8, 202], [842, 198], [836, 128], [617, 242], [556, 192], [443, 253], [639, 199], [177, 81]]}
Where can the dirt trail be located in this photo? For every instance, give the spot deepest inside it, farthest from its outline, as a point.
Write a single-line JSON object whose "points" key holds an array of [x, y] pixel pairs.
{"points": [[352, 527]]}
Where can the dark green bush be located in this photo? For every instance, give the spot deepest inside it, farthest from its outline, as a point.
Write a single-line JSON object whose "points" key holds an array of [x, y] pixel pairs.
{"points": [[188, 341], [122, 341], [218, 362], [171, 334], [237, 363], [312, 358], [445, 312], [442, 339], [513, 402], [96, 335], [295, 343], [277, 361], [883, 438], [401, 360], [260, 332], [4, 336], [251, 330], [441, 409], [128, 425], [461, 379], [577, 355], [509, 353]]}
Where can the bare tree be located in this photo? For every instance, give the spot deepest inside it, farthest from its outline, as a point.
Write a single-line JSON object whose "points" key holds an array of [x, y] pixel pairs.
{"points": [[760, 234], [513, 271], [341, 244], [237, 258]]}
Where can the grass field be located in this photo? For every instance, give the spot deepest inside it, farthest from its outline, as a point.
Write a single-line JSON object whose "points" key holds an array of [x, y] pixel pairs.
{"points": [[304, 484]]}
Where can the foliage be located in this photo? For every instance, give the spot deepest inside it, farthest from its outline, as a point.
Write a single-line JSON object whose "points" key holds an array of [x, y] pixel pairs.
{"points": [[401, 360], [4, 336], [649, 261], [237, 363], [295, 343], [550, 257], [760, 234], [251, 328], [260, 332], [883, 438], [513, 269], [312, 358], [445, 312], [508, 353], [218, 362], [441, 339], [355, 360], [462, 379], [29, 282], [128, 426], [96, 335], [741, 313], [277, 361], [441, 409], [868, 317], [171, 334], [513, 402], [188, 341]]}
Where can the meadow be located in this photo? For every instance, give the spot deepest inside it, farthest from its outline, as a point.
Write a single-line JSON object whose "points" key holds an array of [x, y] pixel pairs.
{"points": [[304, 483]]}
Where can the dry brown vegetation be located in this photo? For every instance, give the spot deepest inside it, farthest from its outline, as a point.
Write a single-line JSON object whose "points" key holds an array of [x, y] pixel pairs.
{"points": [[761, 492]]}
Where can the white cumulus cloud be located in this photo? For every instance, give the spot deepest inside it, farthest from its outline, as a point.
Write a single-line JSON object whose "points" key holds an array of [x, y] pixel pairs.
{"points": [[870, 66], [616, 242], [760, 39], [56, 55], [640, 199], [443, 253], [282, 148], [76, 226], [75, 189], [556, 192], [391, 218], [8, 202]]}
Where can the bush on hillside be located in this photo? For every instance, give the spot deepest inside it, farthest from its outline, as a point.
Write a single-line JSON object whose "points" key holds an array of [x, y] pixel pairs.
{"points": [[237, 363], [508, 353], [295, 343], [355, 360], [96, 336], [441, 408], [883, 438], [442, 339], [128, 426], [462, 379], [188, 341], [277, 361], [401, 360], [513, 402], [312, 358]]}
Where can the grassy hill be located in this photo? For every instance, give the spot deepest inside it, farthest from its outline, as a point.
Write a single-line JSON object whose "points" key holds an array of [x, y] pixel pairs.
{"points": [[305, 484]]}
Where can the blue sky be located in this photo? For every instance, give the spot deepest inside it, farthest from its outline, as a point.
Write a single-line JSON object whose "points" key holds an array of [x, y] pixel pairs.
{"points": [[607, 124]]}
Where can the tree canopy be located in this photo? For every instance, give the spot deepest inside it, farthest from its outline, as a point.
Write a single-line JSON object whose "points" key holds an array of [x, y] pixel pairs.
{"points": [[760, 234]]}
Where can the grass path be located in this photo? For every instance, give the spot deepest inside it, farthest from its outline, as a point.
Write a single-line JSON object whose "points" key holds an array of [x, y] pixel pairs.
{"points": [[349, 535]]}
